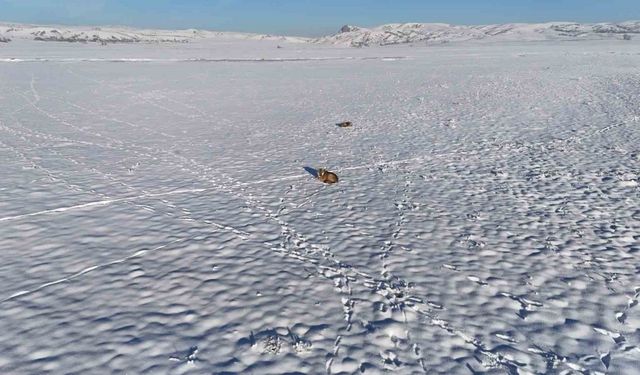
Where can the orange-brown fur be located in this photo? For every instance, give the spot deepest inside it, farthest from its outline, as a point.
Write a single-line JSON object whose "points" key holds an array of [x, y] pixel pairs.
{"points": [[327, 177]]}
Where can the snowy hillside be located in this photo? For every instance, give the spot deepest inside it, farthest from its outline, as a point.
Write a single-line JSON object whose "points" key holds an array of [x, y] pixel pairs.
{"points": [[348, 35], [443, 33], [122, 34]]}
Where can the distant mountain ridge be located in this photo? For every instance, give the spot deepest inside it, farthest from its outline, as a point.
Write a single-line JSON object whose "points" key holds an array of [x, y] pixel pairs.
{"points": [[354, 36], [112, 34], [443, 33]]}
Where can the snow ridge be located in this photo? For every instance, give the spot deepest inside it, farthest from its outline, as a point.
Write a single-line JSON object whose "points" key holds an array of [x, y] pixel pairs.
{"points": [[84, 34], [348, 35], [399, 33]]}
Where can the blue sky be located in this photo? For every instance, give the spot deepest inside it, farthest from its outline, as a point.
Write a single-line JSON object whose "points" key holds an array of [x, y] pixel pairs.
{"points": [[308, 17]]}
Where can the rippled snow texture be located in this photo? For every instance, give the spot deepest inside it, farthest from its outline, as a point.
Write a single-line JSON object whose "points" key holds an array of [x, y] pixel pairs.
{"points": [[156, 216]]}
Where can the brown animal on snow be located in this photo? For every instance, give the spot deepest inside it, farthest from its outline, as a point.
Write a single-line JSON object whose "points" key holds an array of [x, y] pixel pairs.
{"points": [[346, 124], [327, 177]]}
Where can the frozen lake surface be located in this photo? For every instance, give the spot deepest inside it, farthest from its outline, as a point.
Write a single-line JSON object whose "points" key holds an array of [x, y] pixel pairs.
{"points": [[156, 216]]}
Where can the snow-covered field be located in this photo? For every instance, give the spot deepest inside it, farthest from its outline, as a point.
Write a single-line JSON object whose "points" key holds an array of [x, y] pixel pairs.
{"points": [[156, 216]]}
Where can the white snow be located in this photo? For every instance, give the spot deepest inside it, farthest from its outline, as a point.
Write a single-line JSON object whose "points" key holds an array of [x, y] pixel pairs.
{"points": [[398, 33], [434, 33], [156, 215], [118, 34]]}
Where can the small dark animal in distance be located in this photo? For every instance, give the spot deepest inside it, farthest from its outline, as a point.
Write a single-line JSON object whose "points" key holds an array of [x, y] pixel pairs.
{"points": [[346, 124], [327, 177]]}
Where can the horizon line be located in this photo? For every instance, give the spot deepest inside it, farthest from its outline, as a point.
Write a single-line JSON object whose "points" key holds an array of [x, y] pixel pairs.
{"points": [[14, 23]]}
